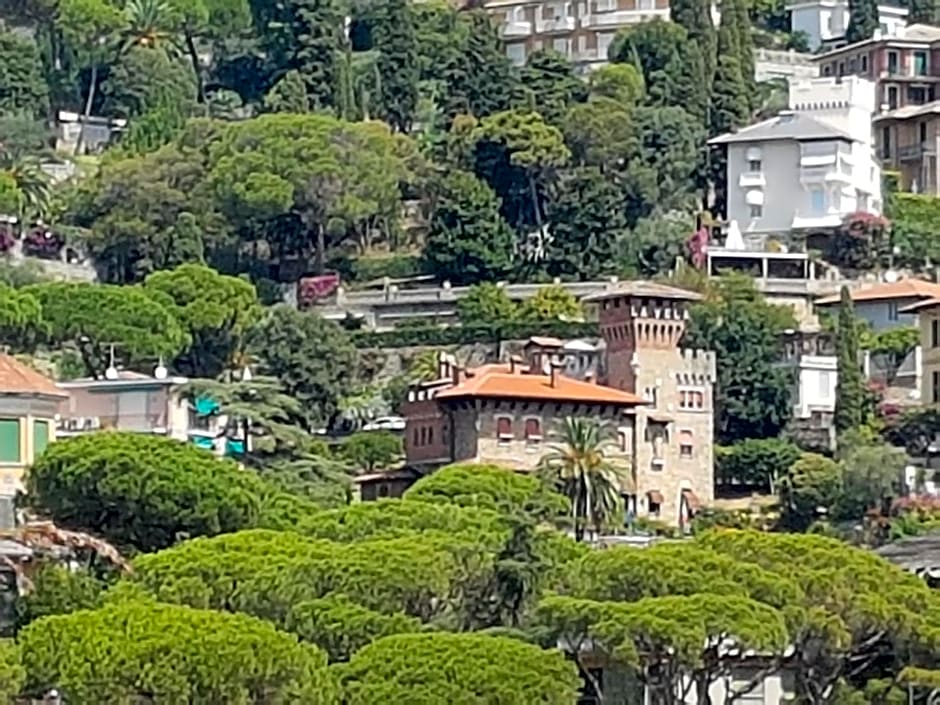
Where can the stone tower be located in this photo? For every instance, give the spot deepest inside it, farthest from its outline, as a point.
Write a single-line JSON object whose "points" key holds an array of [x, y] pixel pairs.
{"points": [[643, 324]]}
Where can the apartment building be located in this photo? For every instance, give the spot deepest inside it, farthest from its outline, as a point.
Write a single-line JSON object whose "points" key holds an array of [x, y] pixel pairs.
{"points": [[581, 30], [810, 166], [908, 142], [905, 65], [824, 22]]}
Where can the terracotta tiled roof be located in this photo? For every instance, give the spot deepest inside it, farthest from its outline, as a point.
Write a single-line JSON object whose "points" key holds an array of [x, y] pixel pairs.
{"points": [[17, 378], [921, 305], [495, 384], [644, 289], [903, 289]]}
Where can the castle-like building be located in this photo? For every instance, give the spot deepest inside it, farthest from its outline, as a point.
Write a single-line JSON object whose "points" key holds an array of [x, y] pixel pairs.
{"points": [[656, 399]]}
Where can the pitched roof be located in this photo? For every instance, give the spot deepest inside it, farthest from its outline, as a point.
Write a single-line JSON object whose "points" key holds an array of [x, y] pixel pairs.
{"points": [[499, 384], [921, 305], [910, 111], [788, 125], [644, 289], [911, 33], [901, 289], [17, 378]]}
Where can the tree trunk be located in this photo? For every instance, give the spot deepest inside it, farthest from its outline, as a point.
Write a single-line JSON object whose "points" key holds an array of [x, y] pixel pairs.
{"points": [[321, 249], [92, 85], [538, 216], [197, 71]]}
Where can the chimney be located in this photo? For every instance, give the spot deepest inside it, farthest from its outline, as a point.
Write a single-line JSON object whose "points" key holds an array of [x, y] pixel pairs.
{"points": [[556, 370], [589, 377], [514, 362], [455, 373]]}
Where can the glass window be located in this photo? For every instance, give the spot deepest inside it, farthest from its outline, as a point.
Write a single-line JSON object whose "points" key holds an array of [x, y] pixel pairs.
{"points": [[892, 97], [935, 333], [920, 63], [818, 200], [753, 164], [864, 64], [935, 378], [892, 310], [757, 211], [886, 142], [40, 437], [10, 441], [892, 62], [916, 95]]}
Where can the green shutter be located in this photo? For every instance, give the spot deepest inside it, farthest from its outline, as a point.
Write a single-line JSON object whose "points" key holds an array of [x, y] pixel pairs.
{"points": [[10, 441], [40, 437]]}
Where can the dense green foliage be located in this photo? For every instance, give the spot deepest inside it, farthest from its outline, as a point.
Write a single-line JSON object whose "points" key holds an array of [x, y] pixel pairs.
{"points": [[150, 492], [752, 391], [850, 393]]}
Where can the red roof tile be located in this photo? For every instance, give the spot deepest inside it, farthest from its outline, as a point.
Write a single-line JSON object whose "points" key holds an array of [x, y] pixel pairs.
{"points": [[903, 289], [17, 378], [498, 384]]}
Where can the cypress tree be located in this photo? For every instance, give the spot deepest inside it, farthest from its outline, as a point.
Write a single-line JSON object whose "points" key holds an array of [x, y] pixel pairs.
{"points": [[863, 20], [393, 34], [850, 394], [696, 17], [729, 104], [745, 50]]}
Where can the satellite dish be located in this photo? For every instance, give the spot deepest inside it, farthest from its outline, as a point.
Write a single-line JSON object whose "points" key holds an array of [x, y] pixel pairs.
{"points": [[111, 372], [160, 372], [891, 276]]}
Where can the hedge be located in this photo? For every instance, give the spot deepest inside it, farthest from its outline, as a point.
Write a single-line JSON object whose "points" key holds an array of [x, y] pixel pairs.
{"points": [[439, 336]]}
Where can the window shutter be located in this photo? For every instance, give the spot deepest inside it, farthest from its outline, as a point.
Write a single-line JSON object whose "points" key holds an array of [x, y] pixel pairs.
{"points": [[532, 428]]}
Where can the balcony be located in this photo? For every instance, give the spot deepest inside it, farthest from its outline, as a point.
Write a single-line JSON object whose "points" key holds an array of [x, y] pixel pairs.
{"points": [[620, 18], [913, 152], [555, 25], [137, 423], [752, 179], [516, 29]]}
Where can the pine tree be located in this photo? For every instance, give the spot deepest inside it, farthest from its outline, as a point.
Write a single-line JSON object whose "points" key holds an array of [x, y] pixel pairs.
{"points": [[850, 395], [696, 17], [863, 20], [393, 35]]}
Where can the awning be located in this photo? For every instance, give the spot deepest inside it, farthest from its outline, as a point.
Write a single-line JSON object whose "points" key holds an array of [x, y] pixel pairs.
{"points": [[691, 500], [655, 496]]}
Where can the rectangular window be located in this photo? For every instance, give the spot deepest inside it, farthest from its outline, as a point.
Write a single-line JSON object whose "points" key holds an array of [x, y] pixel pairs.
{"points": [[893, 62], [10, 441], [817, 201], [935, 379], [430, 435], [886, 142], [686, 444], [916, 95], [920, 63], [753, 165], [504, 430], [825, 385], [892, 310], [892, 97], [40, 437], [756, 211], [533, 432], [841, 68], [935, 333], [923, 133], [864, 64], [415, 437]]}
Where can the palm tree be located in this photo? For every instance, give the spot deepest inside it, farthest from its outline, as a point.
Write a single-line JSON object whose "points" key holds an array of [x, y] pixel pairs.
{"points": [[426, 367], [151, 24], [31, 184], [582, 469]]}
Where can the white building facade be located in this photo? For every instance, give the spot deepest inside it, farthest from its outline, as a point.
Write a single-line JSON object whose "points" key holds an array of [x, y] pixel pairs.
{"points": [[810, 166], [825, 22]]}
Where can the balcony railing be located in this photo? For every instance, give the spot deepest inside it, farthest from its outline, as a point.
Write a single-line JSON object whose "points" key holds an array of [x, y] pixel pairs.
{"points": [[517, 29], [910, 152], [555, 24], [141, 423], [619, 18]]}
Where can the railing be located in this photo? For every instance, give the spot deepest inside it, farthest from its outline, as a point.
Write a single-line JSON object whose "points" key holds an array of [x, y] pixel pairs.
{"points": [[123, 422], [517, 29], [774, 56], [555, 24], [913, 151]]}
